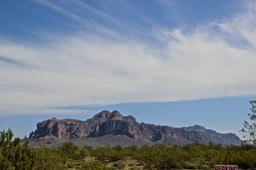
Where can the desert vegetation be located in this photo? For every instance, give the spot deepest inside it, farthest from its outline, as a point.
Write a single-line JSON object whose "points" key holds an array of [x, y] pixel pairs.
{"points": [[17, 155]]}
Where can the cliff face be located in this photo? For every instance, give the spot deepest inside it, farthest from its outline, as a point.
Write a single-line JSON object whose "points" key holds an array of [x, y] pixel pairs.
{"points": [[114, 124]]}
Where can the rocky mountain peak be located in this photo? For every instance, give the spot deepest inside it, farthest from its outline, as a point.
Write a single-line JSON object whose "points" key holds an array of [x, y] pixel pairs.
{"points": [[102, 115], [116, 115], [106, 115], [113, 124], [196, 128]]}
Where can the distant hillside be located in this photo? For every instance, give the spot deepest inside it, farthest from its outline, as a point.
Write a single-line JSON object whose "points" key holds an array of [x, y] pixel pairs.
{"points": [[112, 128]]}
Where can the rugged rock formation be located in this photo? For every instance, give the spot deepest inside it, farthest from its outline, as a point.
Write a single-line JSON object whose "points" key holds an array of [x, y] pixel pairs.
{"points": [[108, 125]]}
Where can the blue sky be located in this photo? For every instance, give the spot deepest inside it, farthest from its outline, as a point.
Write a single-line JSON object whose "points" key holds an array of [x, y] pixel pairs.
{"points": [[172, 62]]}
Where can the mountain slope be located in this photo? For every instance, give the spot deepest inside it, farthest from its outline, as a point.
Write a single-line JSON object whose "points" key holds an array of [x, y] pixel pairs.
{"points": [[112, 128]]}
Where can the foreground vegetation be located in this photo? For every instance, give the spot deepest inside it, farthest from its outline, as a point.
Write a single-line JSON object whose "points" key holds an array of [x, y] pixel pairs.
{"points": [[14, 155]]}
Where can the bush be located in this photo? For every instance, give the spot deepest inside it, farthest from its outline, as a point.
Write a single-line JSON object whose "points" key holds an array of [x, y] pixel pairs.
{"points": [[92, 165]]}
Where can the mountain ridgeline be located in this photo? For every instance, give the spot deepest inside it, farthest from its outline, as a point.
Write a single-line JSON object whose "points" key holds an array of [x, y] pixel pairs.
{"points": [[112, 128]]}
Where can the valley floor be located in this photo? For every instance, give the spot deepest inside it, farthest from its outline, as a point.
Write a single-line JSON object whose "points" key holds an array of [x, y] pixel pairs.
{"points": [[15, 155]]}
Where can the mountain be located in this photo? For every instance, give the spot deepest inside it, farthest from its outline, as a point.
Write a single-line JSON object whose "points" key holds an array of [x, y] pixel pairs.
{"points": [[112, 128]]}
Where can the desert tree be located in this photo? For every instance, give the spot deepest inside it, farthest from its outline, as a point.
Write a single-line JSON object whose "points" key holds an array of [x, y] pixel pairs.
{"points": [[249, 127]]}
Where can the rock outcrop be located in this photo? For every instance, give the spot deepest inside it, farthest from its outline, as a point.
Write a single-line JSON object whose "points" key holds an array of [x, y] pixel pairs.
{"points": [[114, 124]]}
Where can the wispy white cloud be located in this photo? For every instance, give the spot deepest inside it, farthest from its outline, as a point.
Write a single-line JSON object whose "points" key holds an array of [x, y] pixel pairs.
{"points": [[102, 19], [86, 69], [59, 10]]}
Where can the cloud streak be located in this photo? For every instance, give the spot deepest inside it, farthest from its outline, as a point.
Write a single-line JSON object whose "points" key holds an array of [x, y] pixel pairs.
{"points": [[90, 69]]}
